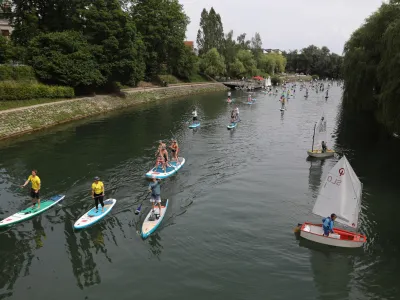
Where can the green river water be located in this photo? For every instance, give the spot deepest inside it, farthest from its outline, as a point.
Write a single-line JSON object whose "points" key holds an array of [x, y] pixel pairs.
{"points": [[228, 231]]}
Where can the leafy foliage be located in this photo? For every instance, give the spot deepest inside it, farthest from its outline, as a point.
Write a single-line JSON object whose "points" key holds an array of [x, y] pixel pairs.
{"points": [[212, 63], [23, 91], [211, 32], [371, 68], [16, 73], [64, 58], [314, 60], [163, 26]]}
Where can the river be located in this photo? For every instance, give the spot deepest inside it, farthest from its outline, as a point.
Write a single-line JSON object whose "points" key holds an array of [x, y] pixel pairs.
{"points": [[228, 232]]}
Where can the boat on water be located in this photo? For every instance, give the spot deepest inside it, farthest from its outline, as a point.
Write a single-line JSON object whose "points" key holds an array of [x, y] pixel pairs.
{"points": [[320, 136], [159, 173], [340, 194]]}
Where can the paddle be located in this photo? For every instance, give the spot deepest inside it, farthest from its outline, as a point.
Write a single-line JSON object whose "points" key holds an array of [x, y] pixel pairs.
{"points": [[139, 208]]}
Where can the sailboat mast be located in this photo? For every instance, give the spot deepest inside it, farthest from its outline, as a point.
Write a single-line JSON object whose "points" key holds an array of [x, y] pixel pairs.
{"points": [[312, 147]]}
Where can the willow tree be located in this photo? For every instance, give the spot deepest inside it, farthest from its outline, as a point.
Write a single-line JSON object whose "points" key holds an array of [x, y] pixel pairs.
{"points": [[371, 69]]}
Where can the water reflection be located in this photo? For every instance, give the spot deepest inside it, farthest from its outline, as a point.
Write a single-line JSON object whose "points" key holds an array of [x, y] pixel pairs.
{"points": [[315, 173], [332, 269]]}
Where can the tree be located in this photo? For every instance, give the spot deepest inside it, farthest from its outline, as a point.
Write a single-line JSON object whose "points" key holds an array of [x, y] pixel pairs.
{"points": [[237, 69], [162, 25], [256, 46], [118, 48], [371, 69], [247, 59], [64, 58], [186, 64], [212, 63], [211, 32], [242, 42], [5, 50], [267, 64]]}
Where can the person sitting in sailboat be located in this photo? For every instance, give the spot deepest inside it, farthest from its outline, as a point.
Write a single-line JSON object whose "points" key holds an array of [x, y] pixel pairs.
{"points": [[328, 223], [324, 147]]}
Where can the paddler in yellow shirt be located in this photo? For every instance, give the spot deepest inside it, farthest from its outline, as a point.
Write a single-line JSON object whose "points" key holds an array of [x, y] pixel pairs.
{"points": [[35, 180], [98, 193]]}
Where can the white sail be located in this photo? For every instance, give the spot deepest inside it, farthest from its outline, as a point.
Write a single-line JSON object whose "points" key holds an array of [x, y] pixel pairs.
{"points": [[320, 133], [340, 194]]}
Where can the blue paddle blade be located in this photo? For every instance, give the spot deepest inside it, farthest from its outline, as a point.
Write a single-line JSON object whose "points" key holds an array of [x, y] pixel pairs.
{"points": [[138, 209]]}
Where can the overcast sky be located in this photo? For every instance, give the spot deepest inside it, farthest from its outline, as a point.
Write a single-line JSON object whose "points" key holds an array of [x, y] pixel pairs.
{"points": [[287, 24]]}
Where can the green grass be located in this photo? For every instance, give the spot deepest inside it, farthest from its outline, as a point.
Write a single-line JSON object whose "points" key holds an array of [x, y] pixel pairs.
{"points": [[198, 78], [23, 103]]}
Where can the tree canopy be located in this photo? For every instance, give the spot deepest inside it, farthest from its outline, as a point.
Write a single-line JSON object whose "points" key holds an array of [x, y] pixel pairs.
{"points": [[371, 68]]}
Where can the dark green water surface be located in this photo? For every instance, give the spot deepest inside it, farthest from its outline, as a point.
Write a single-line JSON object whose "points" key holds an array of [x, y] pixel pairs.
{"points": [[228, 231]]}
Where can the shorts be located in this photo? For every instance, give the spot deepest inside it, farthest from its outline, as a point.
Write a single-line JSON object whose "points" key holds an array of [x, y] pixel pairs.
{"points": [[326, 231], [34, 195], [173, 151], [194, 118], [155, 198]]}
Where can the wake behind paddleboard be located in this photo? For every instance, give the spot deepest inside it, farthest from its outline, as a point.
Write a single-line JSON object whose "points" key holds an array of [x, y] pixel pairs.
{"points": [[94, 215], [151, 224], [32, 211], [159, 172]]}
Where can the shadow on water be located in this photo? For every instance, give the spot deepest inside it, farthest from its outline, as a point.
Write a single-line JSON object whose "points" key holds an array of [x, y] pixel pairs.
{"points": [[374, 157]]}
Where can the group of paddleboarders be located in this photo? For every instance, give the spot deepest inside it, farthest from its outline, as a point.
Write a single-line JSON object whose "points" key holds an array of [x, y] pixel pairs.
{"points": [[97, 190], [163, 157]]}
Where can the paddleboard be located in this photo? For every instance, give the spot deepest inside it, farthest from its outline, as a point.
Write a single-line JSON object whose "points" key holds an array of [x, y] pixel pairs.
{"points": [[194, 125], [250, 103], [232, 125], [93, 215], [32, 211], [150, 225], [159, 172], [282, 109]]}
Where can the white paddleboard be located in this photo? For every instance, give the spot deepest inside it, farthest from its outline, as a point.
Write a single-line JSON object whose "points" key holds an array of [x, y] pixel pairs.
{"points": [[151, 225], [93, 215], [170, 170]]}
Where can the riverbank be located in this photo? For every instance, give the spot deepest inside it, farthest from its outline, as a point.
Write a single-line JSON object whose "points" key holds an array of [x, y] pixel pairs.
{"points": [[22, 120]]}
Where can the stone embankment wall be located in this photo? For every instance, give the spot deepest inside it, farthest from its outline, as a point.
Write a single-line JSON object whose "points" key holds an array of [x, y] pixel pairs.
{"points": [[26, 119]]}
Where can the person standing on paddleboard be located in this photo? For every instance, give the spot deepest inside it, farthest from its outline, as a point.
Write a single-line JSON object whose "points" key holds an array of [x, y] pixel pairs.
{"points": [[36, 184], [194, 114], [175, 150], [98, 193], [155, 189]]}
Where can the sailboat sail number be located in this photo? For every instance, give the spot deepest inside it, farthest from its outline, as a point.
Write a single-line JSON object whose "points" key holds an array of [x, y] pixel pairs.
{"points": [[334, 181]]}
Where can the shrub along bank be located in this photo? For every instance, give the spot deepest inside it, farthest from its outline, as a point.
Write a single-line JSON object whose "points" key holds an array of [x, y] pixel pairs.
{"points": [[25, 91]]}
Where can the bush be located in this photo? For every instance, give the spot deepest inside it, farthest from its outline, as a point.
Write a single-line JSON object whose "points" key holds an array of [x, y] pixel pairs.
{"points": [[17, 73], [315, 77], [169, 79], [275, 80], [25, 91], [64, 58]]}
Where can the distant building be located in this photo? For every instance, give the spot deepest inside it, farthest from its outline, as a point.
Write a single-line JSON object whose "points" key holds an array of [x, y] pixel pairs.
{"points": [[277, 51], [189, 44], [5, 12]]}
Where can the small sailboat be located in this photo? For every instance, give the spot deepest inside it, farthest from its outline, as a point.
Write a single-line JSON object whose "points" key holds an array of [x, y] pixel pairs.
{"points": [[339, 194], [320, 136]]}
